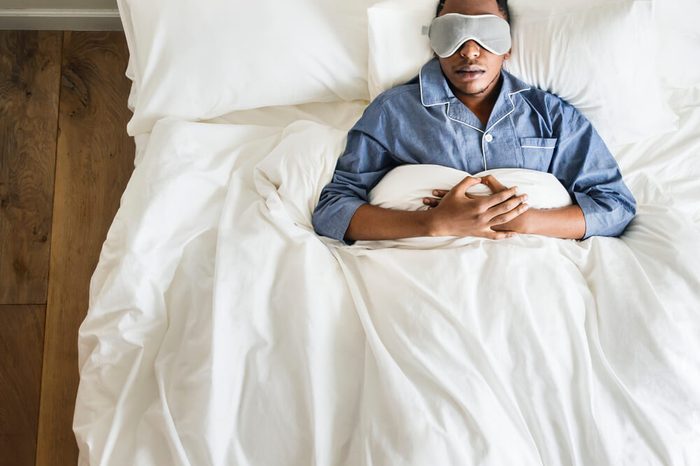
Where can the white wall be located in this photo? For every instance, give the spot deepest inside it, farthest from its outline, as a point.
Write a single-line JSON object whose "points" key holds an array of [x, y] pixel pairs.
{"points": [[69, 15], [60, 4]]}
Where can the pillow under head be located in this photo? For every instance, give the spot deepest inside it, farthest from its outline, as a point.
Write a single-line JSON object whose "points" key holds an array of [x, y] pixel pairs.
{"points": [[597, 55]]}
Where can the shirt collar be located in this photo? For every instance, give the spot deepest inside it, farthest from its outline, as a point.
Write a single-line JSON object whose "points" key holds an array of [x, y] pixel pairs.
{"points": [[435, 90]]}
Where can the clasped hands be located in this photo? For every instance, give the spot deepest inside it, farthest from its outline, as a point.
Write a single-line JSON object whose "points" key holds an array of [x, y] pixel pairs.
{"points": [[497, 216]]}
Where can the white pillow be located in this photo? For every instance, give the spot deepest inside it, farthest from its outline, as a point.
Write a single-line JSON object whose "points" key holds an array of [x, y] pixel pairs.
{"points": [[598, 56], [404, 187], [130, 73], [679, 44], [200, 59], [676, 28], [545, 7], [397, 49]]}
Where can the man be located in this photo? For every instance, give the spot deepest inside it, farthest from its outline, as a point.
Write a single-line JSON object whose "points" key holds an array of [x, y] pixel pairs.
{"points": [[464, 111]]}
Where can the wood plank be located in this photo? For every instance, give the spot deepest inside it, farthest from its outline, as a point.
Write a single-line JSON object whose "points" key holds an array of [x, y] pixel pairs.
{"points": [[21, 342], [93, 163], [30, 64]]}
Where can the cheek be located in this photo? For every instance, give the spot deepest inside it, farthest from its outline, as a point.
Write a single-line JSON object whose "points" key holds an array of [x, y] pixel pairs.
{"points": [[495, 61], [494, 65], [450, 62]]}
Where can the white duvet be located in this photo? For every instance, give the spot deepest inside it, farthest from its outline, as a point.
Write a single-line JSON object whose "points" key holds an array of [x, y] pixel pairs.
{"points": [[223, 331]]}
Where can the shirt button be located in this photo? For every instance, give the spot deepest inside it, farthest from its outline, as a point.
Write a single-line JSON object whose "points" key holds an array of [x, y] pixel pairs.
{"points": [[488, 138]]}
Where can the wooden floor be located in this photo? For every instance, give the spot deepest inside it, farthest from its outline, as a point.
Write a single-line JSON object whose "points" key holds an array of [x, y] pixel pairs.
{"points": [[65, 159]]}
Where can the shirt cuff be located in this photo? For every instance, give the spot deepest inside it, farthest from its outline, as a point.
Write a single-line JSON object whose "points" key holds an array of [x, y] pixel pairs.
{"points": [[335, 220], [602, 220]]}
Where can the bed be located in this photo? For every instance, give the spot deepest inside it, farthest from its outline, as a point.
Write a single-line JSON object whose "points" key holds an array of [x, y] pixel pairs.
{"points": [[222, 330]]}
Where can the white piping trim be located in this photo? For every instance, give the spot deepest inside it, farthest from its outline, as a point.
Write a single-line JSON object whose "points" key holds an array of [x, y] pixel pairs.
{"points": [[512, 104], [488, 130], [420, 86], [447, 102], [447, 112]]}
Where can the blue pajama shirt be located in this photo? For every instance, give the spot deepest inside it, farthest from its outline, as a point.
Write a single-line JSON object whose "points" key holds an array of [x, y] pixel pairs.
{"points": [[423, 122]]}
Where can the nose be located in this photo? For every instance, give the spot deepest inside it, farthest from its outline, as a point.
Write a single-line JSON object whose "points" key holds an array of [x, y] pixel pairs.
{"points": [[470, 49]]}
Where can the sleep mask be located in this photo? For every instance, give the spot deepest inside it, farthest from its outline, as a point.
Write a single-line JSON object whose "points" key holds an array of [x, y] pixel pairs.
{"points": [[448, 32]]}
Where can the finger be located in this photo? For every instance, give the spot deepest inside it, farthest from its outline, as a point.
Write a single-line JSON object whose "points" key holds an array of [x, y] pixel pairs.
{"points": [[507, 206], [495, 185], [501, 234], [466, 183], [508, 216], [440, 192], [431, 202], [499, 197]]}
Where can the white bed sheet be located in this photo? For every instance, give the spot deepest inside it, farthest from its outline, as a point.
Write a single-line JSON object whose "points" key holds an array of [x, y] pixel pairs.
{"points": [[222, 333]]}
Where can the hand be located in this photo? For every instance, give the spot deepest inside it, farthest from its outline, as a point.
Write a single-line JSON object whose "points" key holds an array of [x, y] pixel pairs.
{"points": [[520, 224], [457, 213]]}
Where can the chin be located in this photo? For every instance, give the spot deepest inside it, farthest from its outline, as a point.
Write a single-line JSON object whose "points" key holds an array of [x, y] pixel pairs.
{"points": [[474, 88], [477, 86]]}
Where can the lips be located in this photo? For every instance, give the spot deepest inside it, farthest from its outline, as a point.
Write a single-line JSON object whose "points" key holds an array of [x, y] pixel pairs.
{"points": [[470, 69], [469, 72]]}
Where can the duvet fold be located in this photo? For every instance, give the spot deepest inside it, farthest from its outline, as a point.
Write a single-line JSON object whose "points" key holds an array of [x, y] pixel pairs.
{"points": [[223, 331]]}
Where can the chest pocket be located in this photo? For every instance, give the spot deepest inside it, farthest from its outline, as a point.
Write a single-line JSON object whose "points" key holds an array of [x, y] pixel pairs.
{"points": [[537, 152]]}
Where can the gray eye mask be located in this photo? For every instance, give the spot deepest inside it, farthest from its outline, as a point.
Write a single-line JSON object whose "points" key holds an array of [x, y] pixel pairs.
{"points": [[448, 32]]}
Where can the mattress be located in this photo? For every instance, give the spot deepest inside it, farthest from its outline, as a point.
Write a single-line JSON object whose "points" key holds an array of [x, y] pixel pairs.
{"points": [[222, 330]]}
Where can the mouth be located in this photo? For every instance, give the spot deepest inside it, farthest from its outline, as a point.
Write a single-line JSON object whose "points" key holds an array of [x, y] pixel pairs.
{"points": [[470, 73]]}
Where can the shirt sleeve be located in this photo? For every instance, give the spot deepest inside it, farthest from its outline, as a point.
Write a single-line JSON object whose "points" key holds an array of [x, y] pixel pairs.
{"points": [[363, 163], [585, 166]]}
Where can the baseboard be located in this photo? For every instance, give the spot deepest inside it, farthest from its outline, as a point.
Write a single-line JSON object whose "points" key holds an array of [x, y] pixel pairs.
{"points": [[60, 19]]}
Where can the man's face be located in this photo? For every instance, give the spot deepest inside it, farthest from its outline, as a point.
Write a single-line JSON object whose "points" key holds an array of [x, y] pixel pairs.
{"points": [[473, 70]]}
